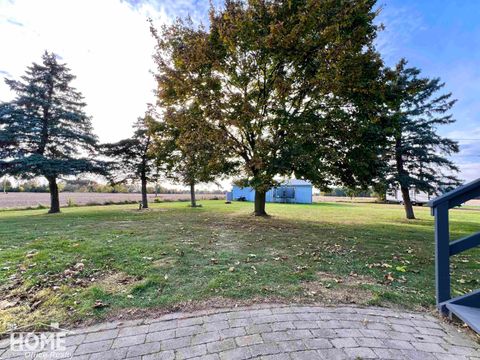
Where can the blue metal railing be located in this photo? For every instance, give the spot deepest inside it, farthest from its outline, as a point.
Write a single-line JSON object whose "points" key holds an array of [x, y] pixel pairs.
{"points": [[444, 249]]}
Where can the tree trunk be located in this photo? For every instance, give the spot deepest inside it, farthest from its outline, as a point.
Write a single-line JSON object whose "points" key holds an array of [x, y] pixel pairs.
{"points": [[260, 199], [144, 192], [193, 201], [54, 198], [407, 203], [402, 174]]}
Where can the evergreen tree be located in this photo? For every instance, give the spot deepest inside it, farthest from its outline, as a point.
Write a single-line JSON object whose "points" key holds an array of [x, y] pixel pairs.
{"points": [[291, 87], [132, 160], [44, 131], [417, 156]]}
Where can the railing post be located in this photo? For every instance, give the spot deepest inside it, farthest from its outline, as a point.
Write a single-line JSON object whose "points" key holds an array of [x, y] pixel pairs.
{"points": [[442, 253]]}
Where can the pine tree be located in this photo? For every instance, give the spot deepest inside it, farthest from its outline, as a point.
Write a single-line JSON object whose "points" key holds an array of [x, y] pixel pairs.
{"points": [[132, 159], [417, 157], [44, 131]]}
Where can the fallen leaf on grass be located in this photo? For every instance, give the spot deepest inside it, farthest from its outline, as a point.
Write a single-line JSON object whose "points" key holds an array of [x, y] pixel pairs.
{"points": [[180, 252], [35, 305], [31, 254], [389, 278], [99, 304], [5, 304]]}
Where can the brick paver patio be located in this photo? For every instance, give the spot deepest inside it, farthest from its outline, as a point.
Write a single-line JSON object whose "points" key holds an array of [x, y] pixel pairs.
{"points": [[270, 332]]}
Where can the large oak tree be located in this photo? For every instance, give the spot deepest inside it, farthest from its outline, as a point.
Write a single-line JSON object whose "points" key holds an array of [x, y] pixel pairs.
{"points": [[292, 86], [44, 131]]}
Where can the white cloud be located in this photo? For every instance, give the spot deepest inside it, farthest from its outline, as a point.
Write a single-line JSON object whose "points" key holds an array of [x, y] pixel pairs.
{"points": [[401, 24], [107, 45], [469, 171], [197, 10], [468, 159]]}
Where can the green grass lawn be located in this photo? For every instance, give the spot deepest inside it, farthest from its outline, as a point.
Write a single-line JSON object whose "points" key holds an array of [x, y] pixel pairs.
{"points": [[89, 263]]}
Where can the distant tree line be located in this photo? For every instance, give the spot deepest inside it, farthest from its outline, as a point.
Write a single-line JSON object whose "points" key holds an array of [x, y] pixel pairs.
{"points": [[90, 186], [345, 192], [269, 88]]}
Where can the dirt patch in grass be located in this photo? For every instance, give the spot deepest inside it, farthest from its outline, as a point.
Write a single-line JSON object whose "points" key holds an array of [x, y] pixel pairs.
{"points": [[166, 262], [227, 232], [334, 289], [352, 279], [117, 282]]}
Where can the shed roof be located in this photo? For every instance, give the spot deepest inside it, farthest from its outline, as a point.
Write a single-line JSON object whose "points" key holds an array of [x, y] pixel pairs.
{"points": [[297, 182], [290, 182]]}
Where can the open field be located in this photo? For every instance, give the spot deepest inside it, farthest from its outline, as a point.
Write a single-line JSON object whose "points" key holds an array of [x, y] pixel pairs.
{"points": [[22, 200], [90, 263], [319, 198]]}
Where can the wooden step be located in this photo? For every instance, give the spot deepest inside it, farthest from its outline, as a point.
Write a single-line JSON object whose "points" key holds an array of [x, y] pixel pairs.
{"points": [[468, 314], [467, 309]]}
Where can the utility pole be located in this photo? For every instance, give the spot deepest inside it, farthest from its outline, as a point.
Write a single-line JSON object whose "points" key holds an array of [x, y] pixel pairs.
{"points": [[5, 184]]}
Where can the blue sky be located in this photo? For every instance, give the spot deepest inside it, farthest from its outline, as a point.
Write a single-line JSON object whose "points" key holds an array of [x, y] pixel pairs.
{"points": [[108, 46], [442, 38]]}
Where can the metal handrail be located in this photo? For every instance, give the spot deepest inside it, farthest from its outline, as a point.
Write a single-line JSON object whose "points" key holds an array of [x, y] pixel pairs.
{"points": [[443, 247]]}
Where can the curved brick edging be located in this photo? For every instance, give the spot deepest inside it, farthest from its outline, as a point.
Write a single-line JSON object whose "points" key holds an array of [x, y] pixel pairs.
{"points": [[271, 332]]}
